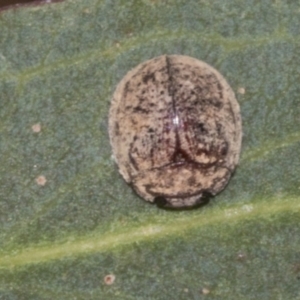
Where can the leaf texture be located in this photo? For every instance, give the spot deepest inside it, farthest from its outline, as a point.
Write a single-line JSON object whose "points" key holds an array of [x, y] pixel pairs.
{"points": [[67, 218]]}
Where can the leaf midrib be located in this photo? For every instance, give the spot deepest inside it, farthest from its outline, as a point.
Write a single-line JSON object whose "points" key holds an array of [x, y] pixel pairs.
{"points": [[152, 230]]}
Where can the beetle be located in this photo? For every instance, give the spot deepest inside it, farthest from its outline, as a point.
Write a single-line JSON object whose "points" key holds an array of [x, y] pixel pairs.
{"points": [[175, 130]]}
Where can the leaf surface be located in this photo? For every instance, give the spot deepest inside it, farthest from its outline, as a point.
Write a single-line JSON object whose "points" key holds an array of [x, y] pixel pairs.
{"points": [[68, 219]]}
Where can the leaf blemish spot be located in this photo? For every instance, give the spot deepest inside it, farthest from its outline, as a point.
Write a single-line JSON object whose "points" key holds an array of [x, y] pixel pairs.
{"points": [[109, 279], [41, 180], [241, 256], [36, 128], [241, 90], [247, 208], [205, 291]]}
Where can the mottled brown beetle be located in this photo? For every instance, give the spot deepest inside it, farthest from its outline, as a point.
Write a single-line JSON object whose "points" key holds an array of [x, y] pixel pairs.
{"points": [[175, 130]]}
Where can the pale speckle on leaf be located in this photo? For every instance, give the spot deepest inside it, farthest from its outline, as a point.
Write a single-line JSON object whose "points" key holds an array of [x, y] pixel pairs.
{"points": [[247, 208], [205, 291], [36, 127], [41, 180], [241, 90], [109, 279], [241, 256]]}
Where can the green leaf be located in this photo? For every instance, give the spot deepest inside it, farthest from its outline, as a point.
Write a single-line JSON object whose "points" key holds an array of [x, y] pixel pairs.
{"points": [[68, 219]]}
